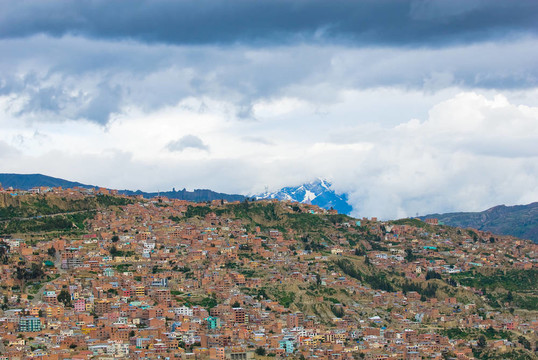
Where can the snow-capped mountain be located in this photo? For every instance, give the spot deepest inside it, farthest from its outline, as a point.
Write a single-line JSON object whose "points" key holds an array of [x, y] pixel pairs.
{"points": [[317, 192]]}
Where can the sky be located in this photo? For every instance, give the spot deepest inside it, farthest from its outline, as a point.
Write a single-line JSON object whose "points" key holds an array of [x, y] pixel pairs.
{"points": [[417, 106]]}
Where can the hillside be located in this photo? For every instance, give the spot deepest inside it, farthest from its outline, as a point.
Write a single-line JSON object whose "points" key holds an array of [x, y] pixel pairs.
{"points": [[197, 195], [520, 220], [51, 212], [268, 266], [28, 181]]}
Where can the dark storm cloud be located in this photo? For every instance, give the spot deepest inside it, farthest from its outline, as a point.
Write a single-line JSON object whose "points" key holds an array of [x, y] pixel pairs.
{"points": [[71, 78], [66, 60], [394, 22], [105, 102]]}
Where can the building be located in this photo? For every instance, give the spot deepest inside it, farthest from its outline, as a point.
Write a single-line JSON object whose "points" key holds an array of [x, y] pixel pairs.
{"points": [[287, 345], [230, 353], [140, 291], [80, 305], [240, 316], [184, 310], [213, 322], [163, 296], [295, 320], [29, 324], [102, 307]]}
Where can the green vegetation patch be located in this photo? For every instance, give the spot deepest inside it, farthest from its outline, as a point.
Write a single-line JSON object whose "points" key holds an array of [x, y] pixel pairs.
{"points": [[469, 334], [516, 354], [34, 206], [207, 302], [412, 222], [378, 281], [512, 280], [255, 214], [46, 224], [200, 211], [526, 302], [109, 200], [306, 222], [284, 298]]}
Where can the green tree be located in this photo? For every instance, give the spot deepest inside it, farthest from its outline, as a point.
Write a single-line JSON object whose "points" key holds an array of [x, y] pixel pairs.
{"points": [[318, 280], [523, 341], [65, 298], [409, 256], [4, 252], [338, 311], [482, 341], [432, 274], [34, 272], [260, 351], [114, 251], [51, 251]]}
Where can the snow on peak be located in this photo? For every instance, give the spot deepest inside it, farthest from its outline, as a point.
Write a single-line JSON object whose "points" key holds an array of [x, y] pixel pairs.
{"points": [[309, 196], [324, 184], [316, 192]]}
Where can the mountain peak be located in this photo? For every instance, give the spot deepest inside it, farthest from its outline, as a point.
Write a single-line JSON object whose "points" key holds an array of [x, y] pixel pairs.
{"points": [[518, 220], [317, 192]]}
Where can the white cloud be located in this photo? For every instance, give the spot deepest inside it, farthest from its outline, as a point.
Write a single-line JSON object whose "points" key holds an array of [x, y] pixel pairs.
{"points": [[471, 151], [403, 130], [473, 123]]}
